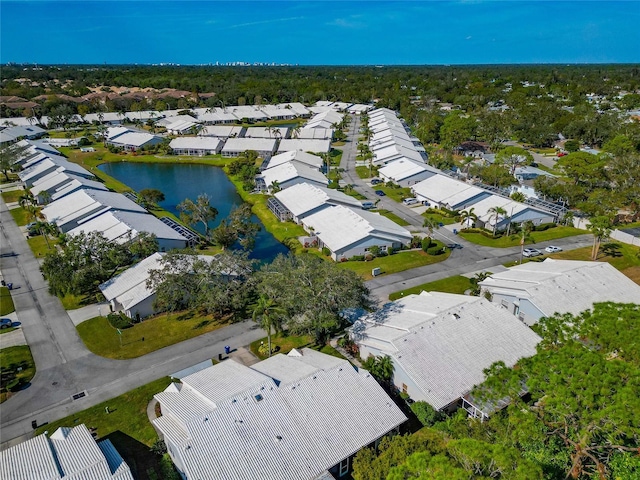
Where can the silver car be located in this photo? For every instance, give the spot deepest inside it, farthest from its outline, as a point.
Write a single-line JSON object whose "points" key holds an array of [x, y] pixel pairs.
{"points": [[531, 252]]}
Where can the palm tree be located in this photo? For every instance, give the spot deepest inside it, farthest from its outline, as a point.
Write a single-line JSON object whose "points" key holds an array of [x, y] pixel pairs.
{"points": [[601, 228], [430, 225], [497, 213], [526, 229], [295, 132], [466, 215], [268, 311]]}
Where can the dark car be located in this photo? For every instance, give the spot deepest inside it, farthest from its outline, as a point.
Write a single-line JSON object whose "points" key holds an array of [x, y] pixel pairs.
{"points": [[380, 193], [453, 246], [6, 323]]}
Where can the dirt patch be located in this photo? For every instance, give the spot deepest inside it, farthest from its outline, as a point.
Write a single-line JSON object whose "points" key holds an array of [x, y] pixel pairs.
{"points": [[633, 273]]}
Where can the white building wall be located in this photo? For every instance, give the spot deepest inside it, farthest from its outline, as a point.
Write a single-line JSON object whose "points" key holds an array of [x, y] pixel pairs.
{"points": [[144, 308]]}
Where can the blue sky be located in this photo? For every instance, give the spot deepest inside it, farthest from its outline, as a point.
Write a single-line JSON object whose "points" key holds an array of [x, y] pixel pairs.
{"points": [[319, 33]]}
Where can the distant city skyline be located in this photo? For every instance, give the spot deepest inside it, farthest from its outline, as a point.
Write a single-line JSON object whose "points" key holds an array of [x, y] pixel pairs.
{"points": [[319, 33]]}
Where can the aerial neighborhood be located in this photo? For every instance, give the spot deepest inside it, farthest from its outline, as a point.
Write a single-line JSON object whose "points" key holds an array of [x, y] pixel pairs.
{"points": [[411, 277]]}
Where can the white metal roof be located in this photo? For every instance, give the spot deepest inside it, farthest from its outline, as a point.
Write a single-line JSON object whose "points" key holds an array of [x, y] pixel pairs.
{"points": [[135, 139], [404, 168], [339, 227], [314, 133], [304, 197], [222, 131], [265, 132], [196, 143], [290, 170], [445, 354], [70, 453], [306, 145], [387, 154], [83, 202], [294, 431], [234, 145], [564, 286], [131, 277], [57, 180], [299, 156], [122, 226], [297, 107], [445, 190]]}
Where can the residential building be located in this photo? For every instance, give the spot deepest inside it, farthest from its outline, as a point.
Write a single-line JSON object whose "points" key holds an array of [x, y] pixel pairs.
{"points": [[196, 146], [69, 453], [58, 184], [223, 131], [299, 416], [33, 173], [313, 161], [133, 141], [405, 172], [540, 289], [265, 147], [287, 174], [123, 227], [347, 233], [14, 134], [298, 201], [444, 191], [313, 133], [68, 212], [266, 132], [305, 145], [440, 344], [182, 125], [515, 213]]}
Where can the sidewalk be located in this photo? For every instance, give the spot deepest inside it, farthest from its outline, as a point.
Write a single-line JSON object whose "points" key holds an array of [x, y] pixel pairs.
{"points": [[82, 314]]}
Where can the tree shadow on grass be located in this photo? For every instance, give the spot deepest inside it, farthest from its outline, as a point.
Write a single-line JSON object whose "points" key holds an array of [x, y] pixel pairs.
{"points": [[186, 315], [202, 324], [144, 464], [611, 250]]}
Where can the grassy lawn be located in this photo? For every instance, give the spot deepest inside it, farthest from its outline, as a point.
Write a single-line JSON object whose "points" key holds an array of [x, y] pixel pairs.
{"points": [[39, 247], [455, 284], [397, 194], [283, 343], [71, 302], [11, 359], [12, 195], [397, 262], [21, 216], [145, 337], [621, 255], [439, 217], [127, 426], [6, 302], [364, 172], [514, 240], [392, 216]]}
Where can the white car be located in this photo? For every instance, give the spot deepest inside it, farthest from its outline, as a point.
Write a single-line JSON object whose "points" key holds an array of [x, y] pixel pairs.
{"points": [[552, 249], [531, 252], [410, 201]]}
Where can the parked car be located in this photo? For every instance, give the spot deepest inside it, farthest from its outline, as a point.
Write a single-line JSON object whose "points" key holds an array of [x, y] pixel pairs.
{"points": [[367, 205], [410, 201], [6, 323], [562, 154], [531, 252], [375, 181], [453, 246], [553, 249], [380, 193]]}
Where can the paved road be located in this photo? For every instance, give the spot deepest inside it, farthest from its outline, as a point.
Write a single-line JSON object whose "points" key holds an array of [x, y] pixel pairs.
{"points": [[64, 366]]}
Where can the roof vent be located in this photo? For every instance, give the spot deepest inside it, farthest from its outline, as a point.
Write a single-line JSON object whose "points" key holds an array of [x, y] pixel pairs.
{"points": [[233, 401], [278, 438], [258, 397], [456, 316]]}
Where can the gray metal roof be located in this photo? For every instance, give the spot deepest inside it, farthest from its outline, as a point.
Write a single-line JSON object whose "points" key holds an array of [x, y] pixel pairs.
{"points": [[445, 354], [294, 432], [70, 453]]}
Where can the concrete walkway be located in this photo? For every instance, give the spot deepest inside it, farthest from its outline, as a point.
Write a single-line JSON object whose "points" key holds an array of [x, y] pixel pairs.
{"points": [[82, 314], [12, 339]]}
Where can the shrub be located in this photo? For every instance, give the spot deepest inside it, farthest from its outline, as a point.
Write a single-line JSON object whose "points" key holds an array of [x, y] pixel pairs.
{"points": [[375, 251], [544, 226], [119, 321], [437, 250], [357, 258], [426, 243], [426, 413], [326, 252]]}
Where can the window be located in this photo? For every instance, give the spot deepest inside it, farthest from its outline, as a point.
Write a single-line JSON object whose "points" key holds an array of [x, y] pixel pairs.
{"points": [[344, 467], [516, 309]]}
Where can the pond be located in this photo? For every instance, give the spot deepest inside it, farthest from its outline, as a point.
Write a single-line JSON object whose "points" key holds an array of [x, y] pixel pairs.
{"points": [[180, 181]]}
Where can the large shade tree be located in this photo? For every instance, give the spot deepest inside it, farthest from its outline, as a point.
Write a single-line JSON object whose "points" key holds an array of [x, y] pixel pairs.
{"points": [[312, 291]]}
